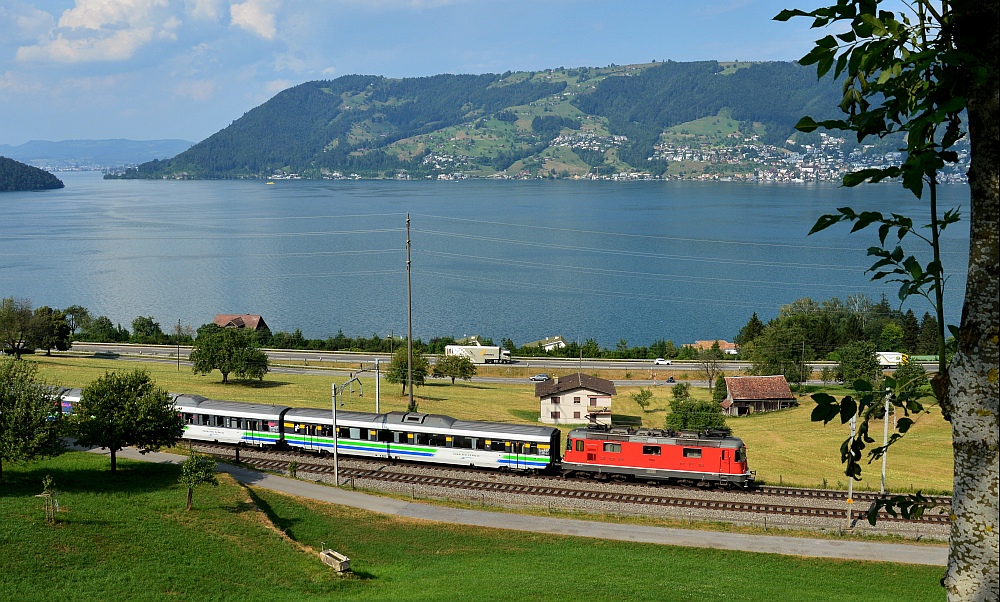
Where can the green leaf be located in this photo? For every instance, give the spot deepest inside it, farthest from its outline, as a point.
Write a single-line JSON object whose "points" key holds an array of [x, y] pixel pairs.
{"points": [[806, 124], [848, 409]]}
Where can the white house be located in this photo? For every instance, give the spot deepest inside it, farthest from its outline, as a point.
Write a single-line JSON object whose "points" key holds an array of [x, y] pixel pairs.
{"points": [[575, 399]]}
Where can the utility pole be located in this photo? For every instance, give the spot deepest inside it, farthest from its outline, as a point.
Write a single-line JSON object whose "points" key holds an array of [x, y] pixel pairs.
{"points": [[376, 386], [409, 320], [802, 369], [178, 345], [850, 481], [885, 436]]}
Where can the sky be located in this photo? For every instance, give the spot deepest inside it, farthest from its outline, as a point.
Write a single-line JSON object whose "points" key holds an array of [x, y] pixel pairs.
{"points": [[154, 69]]}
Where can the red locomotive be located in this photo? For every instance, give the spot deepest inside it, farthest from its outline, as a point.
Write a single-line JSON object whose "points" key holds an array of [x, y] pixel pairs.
{"points": [[704, 458]]}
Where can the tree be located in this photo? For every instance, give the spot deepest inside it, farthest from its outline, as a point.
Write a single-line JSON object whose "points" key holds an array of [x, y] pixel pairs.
{"points": [[642, 397], [749, 333], [27, 430], [721, 390], [858, 361], [910, 377], [49, 329], [146, 330], [78, 318], [710, 364], [891, 338], [779, 351], [228, 350], [454, 366], [197, 470], [681, 391], [398, 372], [695, 415], [923, 74], [123, 409], [15, 325]]}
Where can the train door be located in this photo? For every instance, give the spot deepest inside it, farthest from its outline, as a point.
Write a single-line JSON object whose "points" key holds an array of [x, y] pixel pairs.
{"points": [[513, 451]]}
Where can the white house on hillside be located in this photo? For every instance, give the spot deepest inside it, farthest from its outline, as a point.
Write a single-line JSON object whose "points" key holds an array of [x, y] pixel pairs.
{"points": [[575, 399]]}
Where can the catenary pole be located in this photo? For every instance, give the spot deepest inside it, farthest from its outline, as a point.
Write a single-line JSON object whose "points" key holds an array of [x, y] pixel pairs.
{"points": [[336, 464], [885, 437], [409, 320], [376, 386]]}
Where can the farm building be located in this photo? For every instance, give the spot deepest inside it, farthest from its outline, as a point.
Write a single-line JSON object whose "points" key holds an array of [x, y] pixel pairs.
{"points": [[250, 321], [575, 399], [749, 394]]}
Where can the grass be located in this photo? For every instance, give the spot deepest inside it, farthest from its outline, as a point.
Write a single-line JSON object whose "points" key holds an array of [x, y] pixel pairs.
{"points": [[127, 538], [784, 447]]}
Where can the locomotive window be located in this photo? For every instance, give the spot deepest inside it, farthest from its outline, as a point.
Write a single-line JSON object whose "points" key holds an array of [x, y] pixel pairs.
{"points": [[614, 448], [741, 454], [692, 452], [651, 450], [579, 445]]}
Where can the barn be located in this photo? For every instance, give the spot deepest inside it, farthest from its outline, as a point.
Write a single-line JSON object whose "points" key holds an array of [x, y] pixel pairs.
{"points": [[750, 394]]}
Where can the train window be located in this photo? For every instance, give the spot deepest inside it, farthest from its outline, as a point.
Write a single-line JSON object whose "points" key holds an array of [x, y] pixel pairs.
{"points": [[187, 418], [421, 438], [531, 449], [272, 426], [437, 440], [229, 422], [579, 445], [651, 450], [462, 443], [496, 445], [615, 448], [479, 443], [203, 419], [343, 432], [354, 433], [692, 452], [741, 454]]}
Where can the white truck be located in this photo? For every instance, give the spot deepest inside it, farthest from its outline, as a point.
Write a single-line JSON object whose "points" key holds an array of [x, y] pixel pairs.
{"points": [[480, 354], [891, 359]]}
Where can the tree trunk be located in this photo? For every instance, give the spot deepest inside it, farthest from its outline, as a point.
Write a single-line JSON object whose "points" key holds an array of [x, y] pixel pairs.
{"points": [[190, 495], [225, 376], [970, 388], [114, 461]]}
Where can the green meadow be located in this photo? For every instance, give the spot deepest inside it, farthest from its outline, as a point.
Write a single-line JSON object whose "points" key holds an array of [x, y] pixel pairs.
{"points": [[784, 447], [127, 537]]}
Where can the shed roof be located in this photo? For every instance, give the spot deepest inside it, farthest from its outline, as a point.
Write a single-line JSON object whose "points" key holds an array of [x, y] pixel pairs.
{"points": [[758, 387], [574, 381]]}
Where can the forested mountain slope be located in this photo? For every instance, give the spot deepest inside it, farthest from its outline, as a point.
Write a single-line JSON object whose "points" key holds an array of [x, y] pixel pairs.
{"points": [[15, 176], [582, 120]]}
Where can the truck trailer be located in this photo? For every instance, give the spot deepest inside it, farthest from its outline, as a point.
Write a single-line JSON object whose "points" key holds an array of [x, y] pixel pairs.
{"points": [[480, 354]]}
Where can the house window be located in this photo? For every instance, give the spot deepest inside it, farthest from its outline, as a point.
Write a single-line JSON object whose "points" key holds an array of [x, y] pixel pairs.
{"points": [[692, 452], [576, 414], [615, 448], [554, 415], [593, 402], [555, 400], [576, 400]]}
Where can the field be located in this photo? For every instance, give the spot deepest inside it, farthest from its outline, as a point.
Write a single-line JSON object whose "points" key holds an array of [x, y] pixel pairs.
{"points": [[127, 538], [784, 447]]}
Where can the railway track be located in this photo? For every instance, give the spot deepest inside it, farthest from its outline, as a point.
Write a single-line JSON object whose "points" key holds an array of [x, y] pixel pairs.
{"points": [[544, 488]]}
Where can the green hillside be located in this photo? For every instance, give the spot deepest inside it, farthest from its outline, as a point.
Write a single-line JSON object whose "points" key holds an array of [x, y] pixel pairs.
{"points": [[566, 122], [15, 176]]}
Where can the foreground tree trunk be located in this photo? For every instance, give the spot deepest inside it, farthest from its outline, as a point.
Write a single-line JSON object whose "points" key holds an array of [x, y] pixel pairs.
{"points": [[114, 461], [189, 501], [969, 392]]}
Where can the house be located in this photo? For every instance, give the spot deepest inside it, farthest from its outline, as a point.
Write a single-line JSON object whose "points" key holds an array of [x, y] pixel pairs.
{"points": [[725, 346], [251, 321], [749, 394], [575, 399], [548, 344]]}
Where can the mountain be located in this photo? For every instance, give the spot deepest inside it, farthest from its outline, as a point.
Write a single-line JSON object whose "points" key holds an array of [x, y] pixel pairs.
{"points": [[15, 176], [92, 154], [557, 121]]}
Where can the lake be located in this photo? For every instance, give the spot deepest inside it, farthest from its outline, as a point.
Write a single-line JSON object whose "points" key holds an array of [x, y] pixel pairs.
{"points": [[520, 259]]}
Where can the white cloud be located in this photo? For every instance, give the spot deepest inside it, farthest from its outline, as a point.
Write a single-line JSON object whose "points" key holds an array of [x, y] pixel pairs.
{"points": [[329, 71], [20, 22], [255, 16], [196, 90], [204, 10], [115, 46], [103, 30], [12, 82]]}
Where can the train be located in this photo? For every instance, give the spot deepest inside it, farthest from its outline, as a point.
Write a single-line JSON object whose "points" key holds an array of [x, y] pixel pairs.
{"points": [[704, 458]]}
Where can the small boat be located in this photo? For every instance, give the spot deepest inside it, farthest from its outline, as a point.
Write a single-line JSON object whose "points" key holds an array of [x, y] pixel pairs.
{"points": [[270, 183]]}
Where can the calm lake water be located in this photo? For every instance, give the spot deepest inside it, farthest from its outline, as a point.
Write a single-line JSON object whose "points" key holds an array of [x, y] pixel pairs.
{"points": [[636, 261]]}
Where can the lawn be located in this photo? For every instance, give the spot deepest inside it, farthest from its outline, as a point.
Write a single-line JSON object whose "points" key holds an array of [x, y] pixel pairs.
{"points": [[126, 537], [784, 447]]}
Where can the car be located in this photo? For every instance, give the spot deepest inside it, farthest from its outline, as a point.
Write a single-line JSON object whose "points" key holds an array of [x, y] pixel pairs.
{"points": [[539, 378], [662, 362]]}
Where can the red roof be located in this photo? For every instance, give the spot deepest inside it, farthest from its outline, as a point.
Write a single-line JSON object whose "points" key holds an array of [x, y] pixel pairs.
{"points": [[758, 387], [251, 321]]}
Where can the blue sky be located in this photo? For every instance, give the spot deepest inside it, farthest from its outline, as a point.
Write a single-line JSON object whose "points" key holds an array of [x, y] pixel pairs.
{"points": [[148, 69]]}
